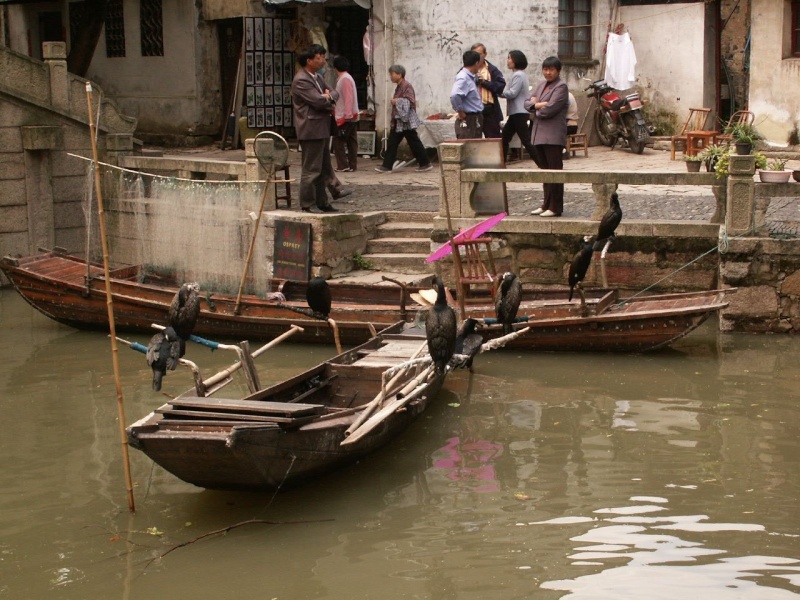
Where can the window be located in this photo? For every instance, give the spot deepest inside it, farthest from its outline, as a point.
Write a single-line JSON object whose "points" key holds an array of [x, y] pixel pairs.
{"points": [[574, 29], [152, 25], [795, 28], [115, 30]]}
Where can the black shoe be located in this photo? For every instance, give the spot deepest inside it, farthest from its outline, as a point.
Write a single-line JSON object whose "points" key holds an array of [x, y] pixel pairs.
{"points": [[328, 209], [304, 209], [342, 193]]}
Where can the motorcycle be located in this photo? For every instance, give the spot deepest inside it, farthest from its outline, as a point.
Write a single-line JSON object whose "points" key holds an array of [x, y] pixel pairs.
{"points": [[618, 118]]}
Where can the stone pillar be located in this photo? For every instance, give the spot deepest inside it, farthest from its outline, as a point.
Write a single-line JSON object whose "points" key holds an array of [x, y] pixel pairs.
{"points": [[454, 195], [55, 57], [741, 192], [38, 142], [721, 198], [263, 169], [117, 146], [602, 196]]}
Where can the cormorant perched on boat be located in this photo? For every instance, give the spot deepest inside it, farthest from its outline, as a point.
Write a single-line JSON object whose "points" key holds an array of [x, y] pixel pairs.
{"points": [[440, 329], [579, 266], [183, 312], [609, 222], [468, 343], [163, 353], [507, 302], [318, 296]]}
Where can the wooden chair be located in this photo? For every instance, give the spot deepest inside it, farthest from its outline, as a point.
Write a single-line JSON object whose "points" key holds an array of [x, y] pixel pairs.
{"points": [[740, 117], [696, 122], [577, 142]]}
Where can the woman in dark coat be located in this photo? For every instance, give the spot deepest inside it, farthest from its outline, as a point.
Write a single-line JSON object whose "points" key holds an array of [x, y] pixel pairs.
{"points": [[548, 107]]}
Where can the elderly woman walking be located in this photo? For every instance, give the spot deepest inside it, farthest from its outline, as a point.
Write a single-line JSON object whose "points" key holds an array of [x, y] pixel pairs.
{"points": [[404, 123], [548, 108]]}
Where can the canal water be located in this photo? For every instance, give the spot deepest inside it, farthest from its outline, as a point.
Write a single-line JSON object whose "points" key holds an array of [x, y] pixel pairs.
{"points": [[538, 476]]}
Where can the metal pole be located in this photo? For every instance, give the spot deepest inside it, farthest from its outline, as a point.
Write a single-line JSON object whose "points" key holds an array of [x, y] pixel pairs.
{"points": [[110, 305]]}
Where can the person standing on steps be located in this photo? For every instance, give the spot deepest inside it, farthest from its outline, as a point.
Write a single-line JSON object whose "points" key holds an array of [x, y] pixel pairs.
{"points": [[313, 102], [548, 108], [491, 84], [516, 93], [345, 142], [466, 100], [404, 123]]}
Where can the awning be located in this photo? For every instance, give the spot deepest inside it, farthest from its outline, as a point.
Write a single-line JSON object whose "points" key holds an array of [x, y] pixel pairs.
{"points": [[361, 3]]}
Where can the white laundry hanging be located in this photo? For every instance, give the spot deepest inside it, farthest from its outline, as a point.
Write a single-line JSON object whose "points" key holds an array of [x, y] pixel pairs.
{"points": [[620, 61]]}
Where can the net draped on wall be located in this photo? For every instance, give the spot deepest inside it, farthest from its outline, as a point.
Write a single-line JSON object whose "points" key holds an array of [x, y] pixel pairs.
{"points": [[187, 229]]}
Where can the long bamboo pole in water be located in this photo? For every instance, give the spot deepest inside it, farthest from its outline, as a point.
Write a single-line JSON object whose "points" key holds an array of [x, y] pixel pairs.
{"points": [[110, 306]]}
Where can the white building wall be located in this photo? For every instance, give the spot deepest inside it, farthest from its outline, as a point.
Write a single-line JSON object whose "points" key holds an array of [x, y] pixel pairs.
{"points": [[670, 53], [774, 79]]}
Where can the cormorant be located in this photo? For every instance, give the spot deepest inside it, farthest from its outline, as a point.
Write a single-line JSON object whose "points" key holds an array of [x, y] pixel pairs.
{"points": [[318, 296], [468, 343], [507, 301], [183, 312], [609, 222], [579, 266], [163, 353], [440, 329]]}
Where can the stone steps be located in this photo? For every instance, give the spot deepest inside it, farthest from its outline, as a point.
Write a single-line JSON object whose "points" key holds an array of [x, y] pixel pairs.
{"points": [[402, 243]]}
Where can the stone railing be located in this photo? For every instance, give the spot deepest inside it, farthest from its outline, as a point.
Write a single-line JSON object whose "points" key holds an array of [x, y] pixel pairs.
{"points": [[735, 195]]}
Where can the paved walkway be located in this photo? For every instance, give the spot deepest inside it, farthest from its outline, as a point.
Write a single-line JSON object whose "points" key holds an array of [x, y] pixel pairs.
{"points": [[407, 190]]}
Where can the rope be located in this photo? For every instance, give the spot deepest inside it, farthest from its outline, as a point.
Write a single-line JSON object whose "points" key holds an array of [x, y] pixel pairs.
{"points": [[172, 178], [722, 248]]}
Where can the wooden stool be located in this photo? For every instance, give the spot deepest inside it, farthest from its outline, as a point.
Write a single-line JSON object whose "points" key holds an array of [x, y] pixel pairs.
{"points": [[578, 141], [699, 140]]}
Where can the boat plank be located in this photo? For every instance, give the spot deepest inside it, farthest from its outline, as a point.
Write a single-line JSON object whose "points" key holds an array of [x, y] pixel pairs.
{"points": [[257, 406], [204, 415]]}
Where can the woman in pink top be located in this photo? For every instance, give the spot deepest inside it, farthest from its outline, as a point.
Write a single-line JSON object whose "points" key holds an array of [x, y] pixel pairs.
{"points": [[346, 118]]}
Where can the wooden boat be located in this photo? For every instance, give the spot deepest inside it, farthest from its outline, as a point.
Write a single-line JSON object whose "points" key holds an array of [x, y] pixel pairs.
{"points": [[292, 431], [57, 285]]}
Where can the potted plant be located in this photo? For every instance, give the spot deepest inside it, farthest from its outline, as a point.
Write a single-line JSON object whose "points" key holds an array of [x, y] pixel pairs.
{"points": [[711, 154], [693, 162], [745, 137], [724, 161], [775, 171]]}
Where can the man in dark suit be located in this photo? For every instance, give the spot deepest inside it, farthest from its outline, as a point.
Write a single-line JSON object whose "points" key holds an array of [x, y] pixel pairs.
{"points": [[313, 103]]}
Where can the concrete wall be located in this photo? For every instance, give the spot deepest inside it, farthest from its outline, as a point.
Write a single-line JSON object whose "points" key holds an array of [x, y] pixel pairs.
{"points": [[774, 78]]}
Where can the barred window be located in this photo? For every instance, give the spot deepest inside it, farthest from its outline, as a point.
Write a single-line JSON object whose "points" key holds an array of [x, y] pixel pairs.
{"points": [[574, 29], [152, 26], [115, 30]]}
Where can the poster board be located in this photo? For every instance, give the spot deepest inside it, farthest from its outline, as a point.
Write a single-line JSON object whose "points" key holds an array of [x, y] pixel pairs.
{"points": [[292, 251]]}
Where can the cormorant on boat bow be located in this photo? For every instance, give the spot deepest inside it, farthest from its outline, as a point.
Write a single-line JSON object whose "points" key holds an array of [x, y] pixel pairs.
{"points": [[440, 328], [507, 301], [163, 353], [183, 312]]}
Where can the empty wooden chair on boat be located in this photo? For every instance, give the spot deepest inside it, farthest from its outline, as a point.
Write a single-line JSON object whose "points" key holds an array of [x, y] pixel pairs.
{"points": [[696, 122]]}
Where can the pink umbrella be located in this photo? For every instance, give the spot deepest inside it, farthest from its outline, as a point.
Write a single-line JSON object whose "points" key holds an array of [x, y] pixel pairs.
{"points": [[470, 233]]}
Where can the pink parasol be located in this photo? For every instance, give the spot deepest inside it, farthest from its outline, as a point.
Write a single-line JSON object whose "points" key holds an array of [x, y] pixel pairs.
{"points": [[470, 233]]}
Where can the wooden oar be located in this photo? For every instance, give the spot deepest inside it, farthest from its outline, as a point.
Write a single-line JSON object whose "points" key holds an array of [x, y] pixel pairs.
{"points": [[376, 401], [414, 388]]}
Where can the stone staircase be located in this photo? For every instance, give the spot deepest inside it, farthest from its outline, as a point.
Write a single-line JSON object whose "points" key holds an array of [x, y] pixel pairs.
{"points": [[402, 243]]}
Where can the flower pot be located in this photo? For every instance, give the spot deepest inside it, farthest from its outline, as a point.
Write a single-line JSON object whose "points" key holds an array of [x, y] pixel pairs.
{"points": [[743, 148], [693, 166], [774, 176], [796, 174], [711, 163]]}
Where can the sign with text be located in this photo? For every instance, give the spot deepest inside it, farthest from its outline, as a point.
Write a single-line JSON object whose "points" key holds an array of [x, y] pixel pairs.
{"points": [[292, 253]]}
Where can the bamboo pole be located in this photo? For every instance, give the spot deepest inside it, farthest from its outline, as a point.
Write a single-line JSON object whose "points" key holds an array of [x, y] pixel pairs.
{"points": [[110, 306], [267, 185]]}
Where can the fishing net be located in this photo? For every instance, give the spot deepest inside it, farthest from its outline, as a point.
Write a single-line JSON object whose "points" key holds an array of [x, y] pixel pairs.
{"points": [[186, 230]]}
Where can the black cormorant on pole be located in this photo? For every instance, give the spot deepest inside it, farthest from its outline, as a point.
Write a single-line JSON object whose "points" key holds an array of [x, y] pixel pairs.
{"points": [[441, 329], [468, 344], [183, 312], [578, 268], [606, 231], [163, 353], [318, 297], [507, 302]]}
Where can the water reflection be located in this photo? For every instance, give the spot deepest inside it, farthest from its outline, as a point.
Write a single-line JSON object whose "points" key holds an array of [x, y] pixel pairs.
{"points": [[538, 476]]}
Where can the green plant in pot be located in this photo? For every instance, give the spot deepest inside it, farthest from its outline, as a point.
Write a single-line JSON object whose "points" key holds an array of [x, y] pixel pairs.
{"points": [[775, 171], [711, 154], [745, 137], [693, 162]]}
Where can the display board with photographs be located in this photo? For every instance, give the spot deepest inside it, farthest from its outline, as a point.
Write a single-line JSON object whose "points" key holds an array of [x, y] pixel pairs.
{"points": [[269, 70]]}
